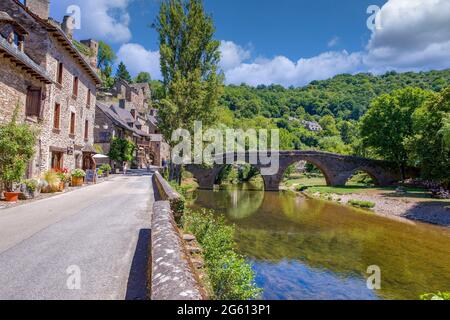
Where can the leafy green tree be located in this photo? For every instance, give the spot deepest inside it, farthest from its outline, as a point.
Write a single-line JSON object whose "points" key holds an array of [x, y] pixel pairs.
{"points": [[105, 60], [143, 77], [189, 65], [17, 142], [122, 150], [328, 124], [430, 144], [388, 124], [334, 144], [122, 73]]}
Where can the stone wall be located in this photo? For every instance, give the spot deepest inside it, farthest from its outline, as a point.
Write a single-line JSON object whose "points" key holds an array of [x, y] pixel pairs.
{"points": [[172, 275], [46, 51]]}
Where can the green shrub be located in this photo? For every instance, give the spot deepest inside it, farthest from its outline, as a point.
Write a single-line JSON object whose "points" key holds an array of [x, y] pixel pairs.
{"points": [[436, 296], [362, 204], [78, 173], [17, 142], [31, 184], [52, 181], [106, 168], [231, 276]]}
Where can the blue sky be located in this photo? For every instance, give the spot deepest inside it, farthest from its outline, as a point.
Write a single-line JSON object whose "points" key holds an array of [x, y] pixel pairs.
{"points": [[290, 42]]}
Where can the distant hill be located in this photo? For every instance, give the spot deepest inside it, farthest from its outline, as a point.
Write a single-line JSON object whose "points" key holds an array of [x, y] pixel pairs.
{"points": [[344, 96]]}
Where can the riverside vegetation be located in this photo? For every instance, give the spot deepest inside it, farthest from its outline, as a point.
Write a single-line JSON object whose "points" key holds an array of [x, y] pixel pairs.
{"points": [[230, 275]]}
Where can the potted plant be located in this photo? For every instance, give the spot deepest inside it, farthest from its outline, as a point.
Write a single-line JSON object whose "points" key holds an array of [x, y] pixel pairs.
{"points": [[17, 143], [29, 189], [51, 182], [106, 169], [78, 177], [64, 178]]}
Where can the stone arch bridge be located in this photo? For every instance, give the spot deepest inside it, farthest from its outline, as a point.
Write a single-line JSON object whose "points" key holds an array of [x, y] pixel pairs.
{"points": [[336, 168]]}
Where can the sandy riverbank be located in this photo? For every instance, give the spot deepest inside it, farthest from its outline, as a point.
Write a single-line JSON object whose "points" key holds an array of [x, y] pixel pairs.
{"points": [[406, 206]]}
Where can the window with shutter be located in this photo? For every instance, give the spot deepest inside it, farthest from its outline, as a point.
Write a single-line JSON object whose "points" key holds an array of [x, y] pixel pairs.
{"points": [[86, 130], [56, 116], [72, 123], [33, 104]]}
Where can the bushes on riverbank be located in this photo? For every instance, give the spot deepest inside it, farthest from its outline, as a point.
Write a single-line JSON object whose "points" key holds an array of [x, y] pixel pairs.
{"points": [[362, 204], [231, 276]]}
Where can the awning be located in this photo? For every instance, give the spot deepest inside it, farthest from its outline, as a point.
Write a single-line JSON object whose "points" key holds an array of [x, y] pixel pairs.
{"points": [[100, 156]]}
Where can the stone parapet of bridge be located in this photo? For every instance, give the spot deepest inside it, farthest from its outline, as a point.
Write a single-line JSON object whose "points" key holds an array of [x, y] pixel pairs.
{"points": [[336, 168]]}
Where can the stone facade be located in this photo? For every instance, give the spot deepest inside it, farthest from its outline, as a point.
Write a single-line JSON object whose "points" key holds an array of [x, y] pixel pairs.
{"points": [[48, 47], [125, 112]]}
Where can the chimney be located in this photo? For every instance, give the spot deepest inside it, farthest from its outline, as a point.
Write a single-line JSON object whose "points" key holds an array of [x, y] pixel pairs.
{"points": [[67, 26], [93, 46], [39, 7], [122, 103]]}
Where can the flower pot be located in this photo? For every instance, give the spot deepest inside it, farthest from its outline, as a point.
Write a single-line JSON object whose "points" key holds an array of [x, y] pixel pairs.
{"points": [[77, 181], [11, 196], [61, 186]]}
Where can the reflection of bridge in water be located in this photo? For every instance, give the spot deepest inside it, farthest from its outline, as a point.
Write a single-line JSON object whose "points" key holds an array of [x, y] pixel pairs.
{"points": [[336, 168]]}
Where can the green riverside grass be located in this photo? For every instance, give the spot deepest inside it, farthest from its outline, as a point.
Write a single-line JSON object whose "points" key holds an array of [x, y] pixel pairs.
{"points": [[230, 275]]}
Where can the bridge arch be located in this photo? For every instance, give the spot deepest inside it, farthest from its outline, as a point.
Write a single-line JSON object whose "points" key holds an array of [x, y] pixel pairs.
{"points": [[373, 175], [315, 163]]}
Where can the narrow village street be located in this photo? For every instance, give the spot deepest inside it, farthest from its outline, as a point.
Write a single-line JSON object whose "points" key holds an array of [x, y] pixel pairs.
{"points": [[91, 243]]}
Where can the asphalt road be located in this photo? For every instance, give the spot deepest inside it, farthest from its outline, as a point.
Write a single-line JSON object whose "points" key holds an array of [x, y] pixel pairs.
{"points": [[86, 244]]}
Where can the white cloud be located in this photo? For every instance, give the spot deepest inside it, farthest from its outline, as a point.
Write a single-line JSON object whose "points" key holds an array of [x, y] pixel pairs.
{"points": [[232, 55], [333, 42], [283, 71], [100, 19], [414, 35], [138, 59]]}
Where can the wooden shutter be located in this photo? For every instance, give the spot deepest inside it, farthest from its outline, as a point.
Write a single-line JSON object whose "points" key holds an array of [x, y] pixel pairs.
{"points": [[33, 107], [86, 129], [56, 116]]}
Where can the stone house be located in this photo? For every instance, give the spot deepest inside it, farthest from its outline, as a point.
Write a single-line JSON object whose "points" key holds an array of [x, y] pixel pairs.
{"points": [[125, 112], [51, 80]]}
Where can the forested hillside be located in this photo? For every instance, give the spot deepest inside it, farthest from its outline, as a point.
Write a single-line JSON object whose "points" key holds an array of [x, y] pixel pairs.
{"points": [[344, 96]]}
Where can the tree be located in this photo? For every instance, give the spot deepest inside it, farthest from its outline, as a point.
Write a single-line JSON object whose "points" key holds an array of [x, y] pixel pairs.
{"points": [[143, 77], [189, 65], [328, 124], [17, 142], [430, 144], [121, 150], [388, 124], [105, 59], [122, 73]]}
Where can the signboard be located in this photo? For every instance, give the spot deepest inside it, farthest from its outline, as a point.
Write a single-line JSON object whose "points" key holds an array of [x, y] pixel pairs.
{"points": [[90, 176]]}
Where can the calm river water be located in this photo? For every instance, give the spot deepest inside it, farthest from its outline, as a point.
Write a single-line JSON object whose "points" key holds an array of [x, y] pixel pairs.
{"points": [[309, 249]]}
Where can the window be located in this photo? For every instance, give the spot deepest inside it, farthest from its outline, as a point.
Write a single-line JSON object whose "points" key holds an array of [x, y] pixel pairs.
{"points": [[59, 73], [86, 130], [104, 137], [33, 104], [56, 116], [57, 160], [75, 87], [88, 103], [72, 123]]}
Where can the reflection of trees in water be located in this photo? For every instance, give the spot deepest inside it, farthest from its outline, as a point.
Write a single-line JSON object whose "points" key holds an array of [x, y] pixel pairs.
{"points": [[275, 227], [329, 237], [237, 202]]}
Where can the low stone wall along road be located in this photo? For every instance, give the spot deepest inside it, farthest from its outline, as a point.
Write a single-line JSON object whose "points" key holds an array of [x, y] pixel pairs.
{"points": [[91, 243]]}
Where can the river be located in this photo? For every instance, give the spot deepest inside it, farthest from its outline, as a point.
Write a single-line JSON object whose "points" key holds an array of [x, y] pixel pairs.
{"points": [[304, 248]]}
